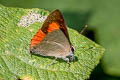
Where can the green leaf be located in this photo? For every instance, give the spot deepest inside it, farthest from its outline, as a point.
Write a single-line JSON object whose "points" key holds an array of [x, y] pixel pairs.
{"points": [[16, 62]]}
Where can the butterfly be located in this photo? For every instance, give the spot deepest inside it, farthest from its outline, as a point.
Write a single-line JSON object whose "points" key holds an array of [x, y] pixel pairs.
{"points": [[52, 39]]}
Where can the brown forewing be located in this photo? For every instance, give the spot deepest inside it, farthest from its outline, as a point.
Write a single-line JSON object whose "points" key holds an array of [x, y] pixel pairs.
{"points": [[57, 17]]}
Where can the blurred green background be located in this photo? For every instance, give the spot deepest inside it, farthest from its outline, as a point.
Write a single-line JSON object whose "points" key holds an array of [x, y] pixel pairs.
{"points": [[103, 19]]}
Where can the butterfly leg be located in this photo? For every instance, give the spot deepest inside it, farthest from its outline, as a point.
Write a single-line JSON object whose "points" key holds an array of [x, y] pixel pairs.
{"points": [[68, 62], [72, 57], [53, 62], [31, 55]]}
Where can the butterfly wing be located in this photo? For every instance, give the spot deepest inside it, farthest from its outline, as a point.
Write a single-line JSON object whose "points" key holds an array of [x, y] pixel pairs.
{"points": [[52, 39], [54, 44], [55, 21]]}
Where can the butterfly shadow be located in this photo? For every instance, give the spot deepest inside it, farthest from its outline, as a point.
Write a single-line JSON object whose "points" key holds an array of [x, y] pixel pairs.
{"points": [[56, 59]]}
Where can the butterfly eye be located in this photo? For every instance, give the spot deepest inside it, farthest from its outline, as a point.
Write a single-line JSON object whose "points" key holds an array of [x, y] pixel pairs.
{"points": [[72, 48]]}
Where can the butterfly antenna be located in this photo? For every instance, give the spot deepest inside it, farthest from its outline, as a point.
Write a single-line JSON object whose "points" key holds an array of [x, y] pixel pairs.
{"points": [[84, 28]]}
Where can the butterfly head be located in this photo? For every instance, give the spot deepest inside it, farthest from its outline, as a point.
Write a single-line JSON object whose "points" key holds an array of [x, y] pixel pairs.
{"points": [[71, 55]]}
